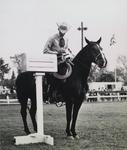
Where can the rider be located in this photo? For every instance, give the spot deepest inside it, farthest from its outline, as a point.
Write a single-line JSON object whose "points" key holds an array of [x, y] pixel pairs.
{"points": [[58, 43]]}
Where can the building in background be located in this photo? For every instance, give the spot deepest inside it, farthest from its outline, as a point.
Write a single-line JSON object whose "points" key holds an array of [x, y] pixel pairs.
{"points": [[110, 86]]}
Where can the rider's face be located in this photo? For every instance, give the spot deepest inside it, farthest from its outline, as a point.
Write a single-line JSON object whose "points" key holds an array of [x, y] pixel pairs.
{"points": [[61, 34]]}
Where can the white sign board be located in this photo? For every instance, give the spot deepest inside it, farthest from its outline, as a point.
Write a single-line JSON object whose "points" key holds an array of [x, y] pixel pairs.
{"points": [[43, 63]]}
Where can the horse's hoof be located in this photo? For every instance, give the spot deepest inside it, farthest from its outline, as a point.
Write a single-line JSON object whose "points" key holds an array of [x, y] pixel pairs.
{"points": [[27, 132], [70, 137], [76, 137], [14, 141], [35, 129]]}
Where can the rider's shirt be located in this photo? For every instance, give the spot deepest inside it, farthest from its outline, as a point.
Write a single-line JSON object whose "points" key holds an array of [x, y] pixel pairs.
{"points": [[52, 45]]}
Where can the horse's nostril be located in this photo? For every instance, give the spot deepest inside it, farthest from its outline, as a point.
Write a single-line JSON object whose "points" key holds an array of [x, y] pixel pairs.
{"points": [[102, 64]]}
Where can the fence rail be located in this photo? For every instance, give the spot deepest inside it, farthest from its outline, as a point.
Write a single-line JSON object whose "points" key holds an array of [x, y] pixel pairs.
{"points": [[9, 101], [106, 96], [91, 97]]}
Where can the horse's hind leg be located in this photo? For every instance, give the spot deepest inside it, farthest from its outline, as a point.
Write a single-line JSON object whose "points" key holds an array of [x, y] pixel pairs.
{"points": [[24, 115], [33, 113], [76, 108], [68, 116]]}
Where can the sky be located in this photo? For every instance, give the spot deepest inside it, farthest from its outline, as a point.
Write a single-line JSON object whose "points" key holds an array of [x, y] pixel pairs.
{"points": [[25, 25]]}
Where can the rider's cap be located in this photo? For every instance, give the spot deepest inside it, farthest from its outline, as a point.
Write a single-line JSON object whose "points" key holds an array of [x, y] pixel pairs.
{"points": [[63, 27]]}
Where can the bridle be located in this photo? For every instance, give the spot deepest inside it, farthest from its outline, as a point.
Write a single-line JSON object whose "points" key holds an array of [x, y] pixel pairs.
{"points": [[96, 58], [101, 54]]}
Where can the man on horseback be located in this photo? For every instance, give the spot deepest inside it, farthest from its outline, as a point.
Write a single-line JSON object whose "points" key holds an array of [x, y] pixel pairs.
{"points": [[58, 44]]}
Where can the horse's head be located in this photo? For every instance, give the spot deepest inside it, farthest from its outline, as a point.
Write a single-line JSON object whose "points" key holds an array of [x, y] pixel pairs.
{"points": [[98, 56]]}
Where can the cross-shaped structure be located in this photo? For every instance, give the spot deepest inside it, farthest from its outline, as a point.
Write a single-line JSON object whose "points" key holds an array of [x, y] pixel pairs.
{"points": [[82, 29]]}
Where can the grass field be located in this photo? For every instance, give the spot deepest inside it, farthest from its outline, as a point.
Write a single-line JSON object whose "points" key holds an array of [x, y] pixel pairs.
{"points": [[101, 126]]}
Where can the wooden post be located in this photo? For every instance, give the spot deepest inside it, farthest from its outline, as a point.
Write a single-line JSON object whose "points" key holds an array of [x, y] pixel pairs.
{"points": [[98, 97], [39, 98], [8, 100]]}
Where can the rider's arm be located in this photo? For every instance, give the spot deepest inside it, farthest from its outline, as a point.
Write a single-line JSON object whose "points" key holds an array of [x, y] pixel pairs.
{"points": [[68, 51], [66, 48], [66, 44], [48, 47]]}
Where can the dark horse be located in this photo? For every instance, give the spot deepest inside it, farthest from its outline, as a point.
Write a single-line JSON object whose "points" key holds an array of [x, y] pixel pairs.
{"points": [[73, 89]]}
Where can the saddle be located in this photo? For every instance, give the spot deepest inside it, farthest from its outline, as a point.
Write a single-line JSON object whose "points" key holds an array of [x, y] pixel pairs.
{"points": [[64, 67]]}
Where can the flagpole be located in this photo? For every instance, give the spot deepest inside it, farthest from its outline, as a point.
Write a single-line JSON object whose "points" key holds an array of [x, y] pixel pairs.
{"points": [[115, 75], [112, 43]]}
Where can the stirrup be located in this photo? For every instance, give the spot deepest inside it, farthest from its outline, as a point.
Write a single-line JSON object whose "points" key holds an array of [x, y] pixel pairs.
{"points": [[66, 75]]}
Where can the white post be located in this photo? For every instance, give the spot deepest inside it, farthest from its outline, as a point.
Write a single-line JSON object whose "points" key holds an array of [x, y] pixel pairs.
{"points": [[98, 97], [39, 98], [118, 94], [8, 100], [115, 74]]}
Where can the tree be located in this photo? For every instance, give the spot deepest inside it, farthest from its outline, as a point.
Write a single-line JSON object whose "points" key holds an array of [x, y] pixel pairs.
{"points": [[94, 73], [12, 86], [100, 75], [4, 69], [10, 83], [17, 60], [106, 77], [122, 68], [122, 61]]}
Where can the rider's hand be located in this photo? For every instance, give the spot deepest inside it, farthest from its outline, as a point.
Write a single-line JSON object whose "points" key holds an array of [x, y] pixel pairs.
{"points": [[55, 53], [61, 51]]}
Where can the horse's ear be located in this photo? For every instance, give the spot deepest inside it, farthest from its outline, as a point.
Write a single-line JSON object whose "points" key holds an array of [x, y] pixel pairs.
{"points": [[98, 42], [87, 41]]}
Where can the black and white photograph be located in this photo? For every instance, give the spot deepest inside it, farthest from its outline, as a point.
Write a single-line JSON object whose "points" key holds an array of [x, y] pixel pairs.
{"points": [[63, 75]]}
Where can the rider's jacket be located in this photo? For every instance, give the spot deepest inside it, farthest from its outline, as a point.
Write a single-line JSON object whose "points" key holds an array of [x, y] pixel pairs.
{"points": [[52, 45]]}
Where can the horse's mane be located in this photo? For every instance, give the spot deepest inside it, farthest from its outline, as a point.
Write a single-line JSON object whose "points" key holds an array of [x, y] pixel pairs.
{"points": [[80, 54]]}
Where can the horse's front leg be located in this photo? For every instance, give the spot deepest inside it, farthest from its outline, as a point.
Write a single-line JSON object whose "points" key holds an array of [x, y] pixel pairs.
{"points": [[76, 108], [68, 117]]}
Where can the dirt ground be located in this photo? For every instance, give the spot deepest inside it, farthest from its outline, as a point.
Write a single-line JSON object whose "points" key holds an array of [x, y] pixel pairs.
{"points": [[101, 126]]}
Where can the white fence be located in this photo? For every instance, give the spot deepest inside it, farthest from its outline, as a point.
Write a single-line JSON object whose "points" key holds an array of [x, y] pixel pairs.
{"points": [[91, 97], [106, 96], [8, 101]]}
